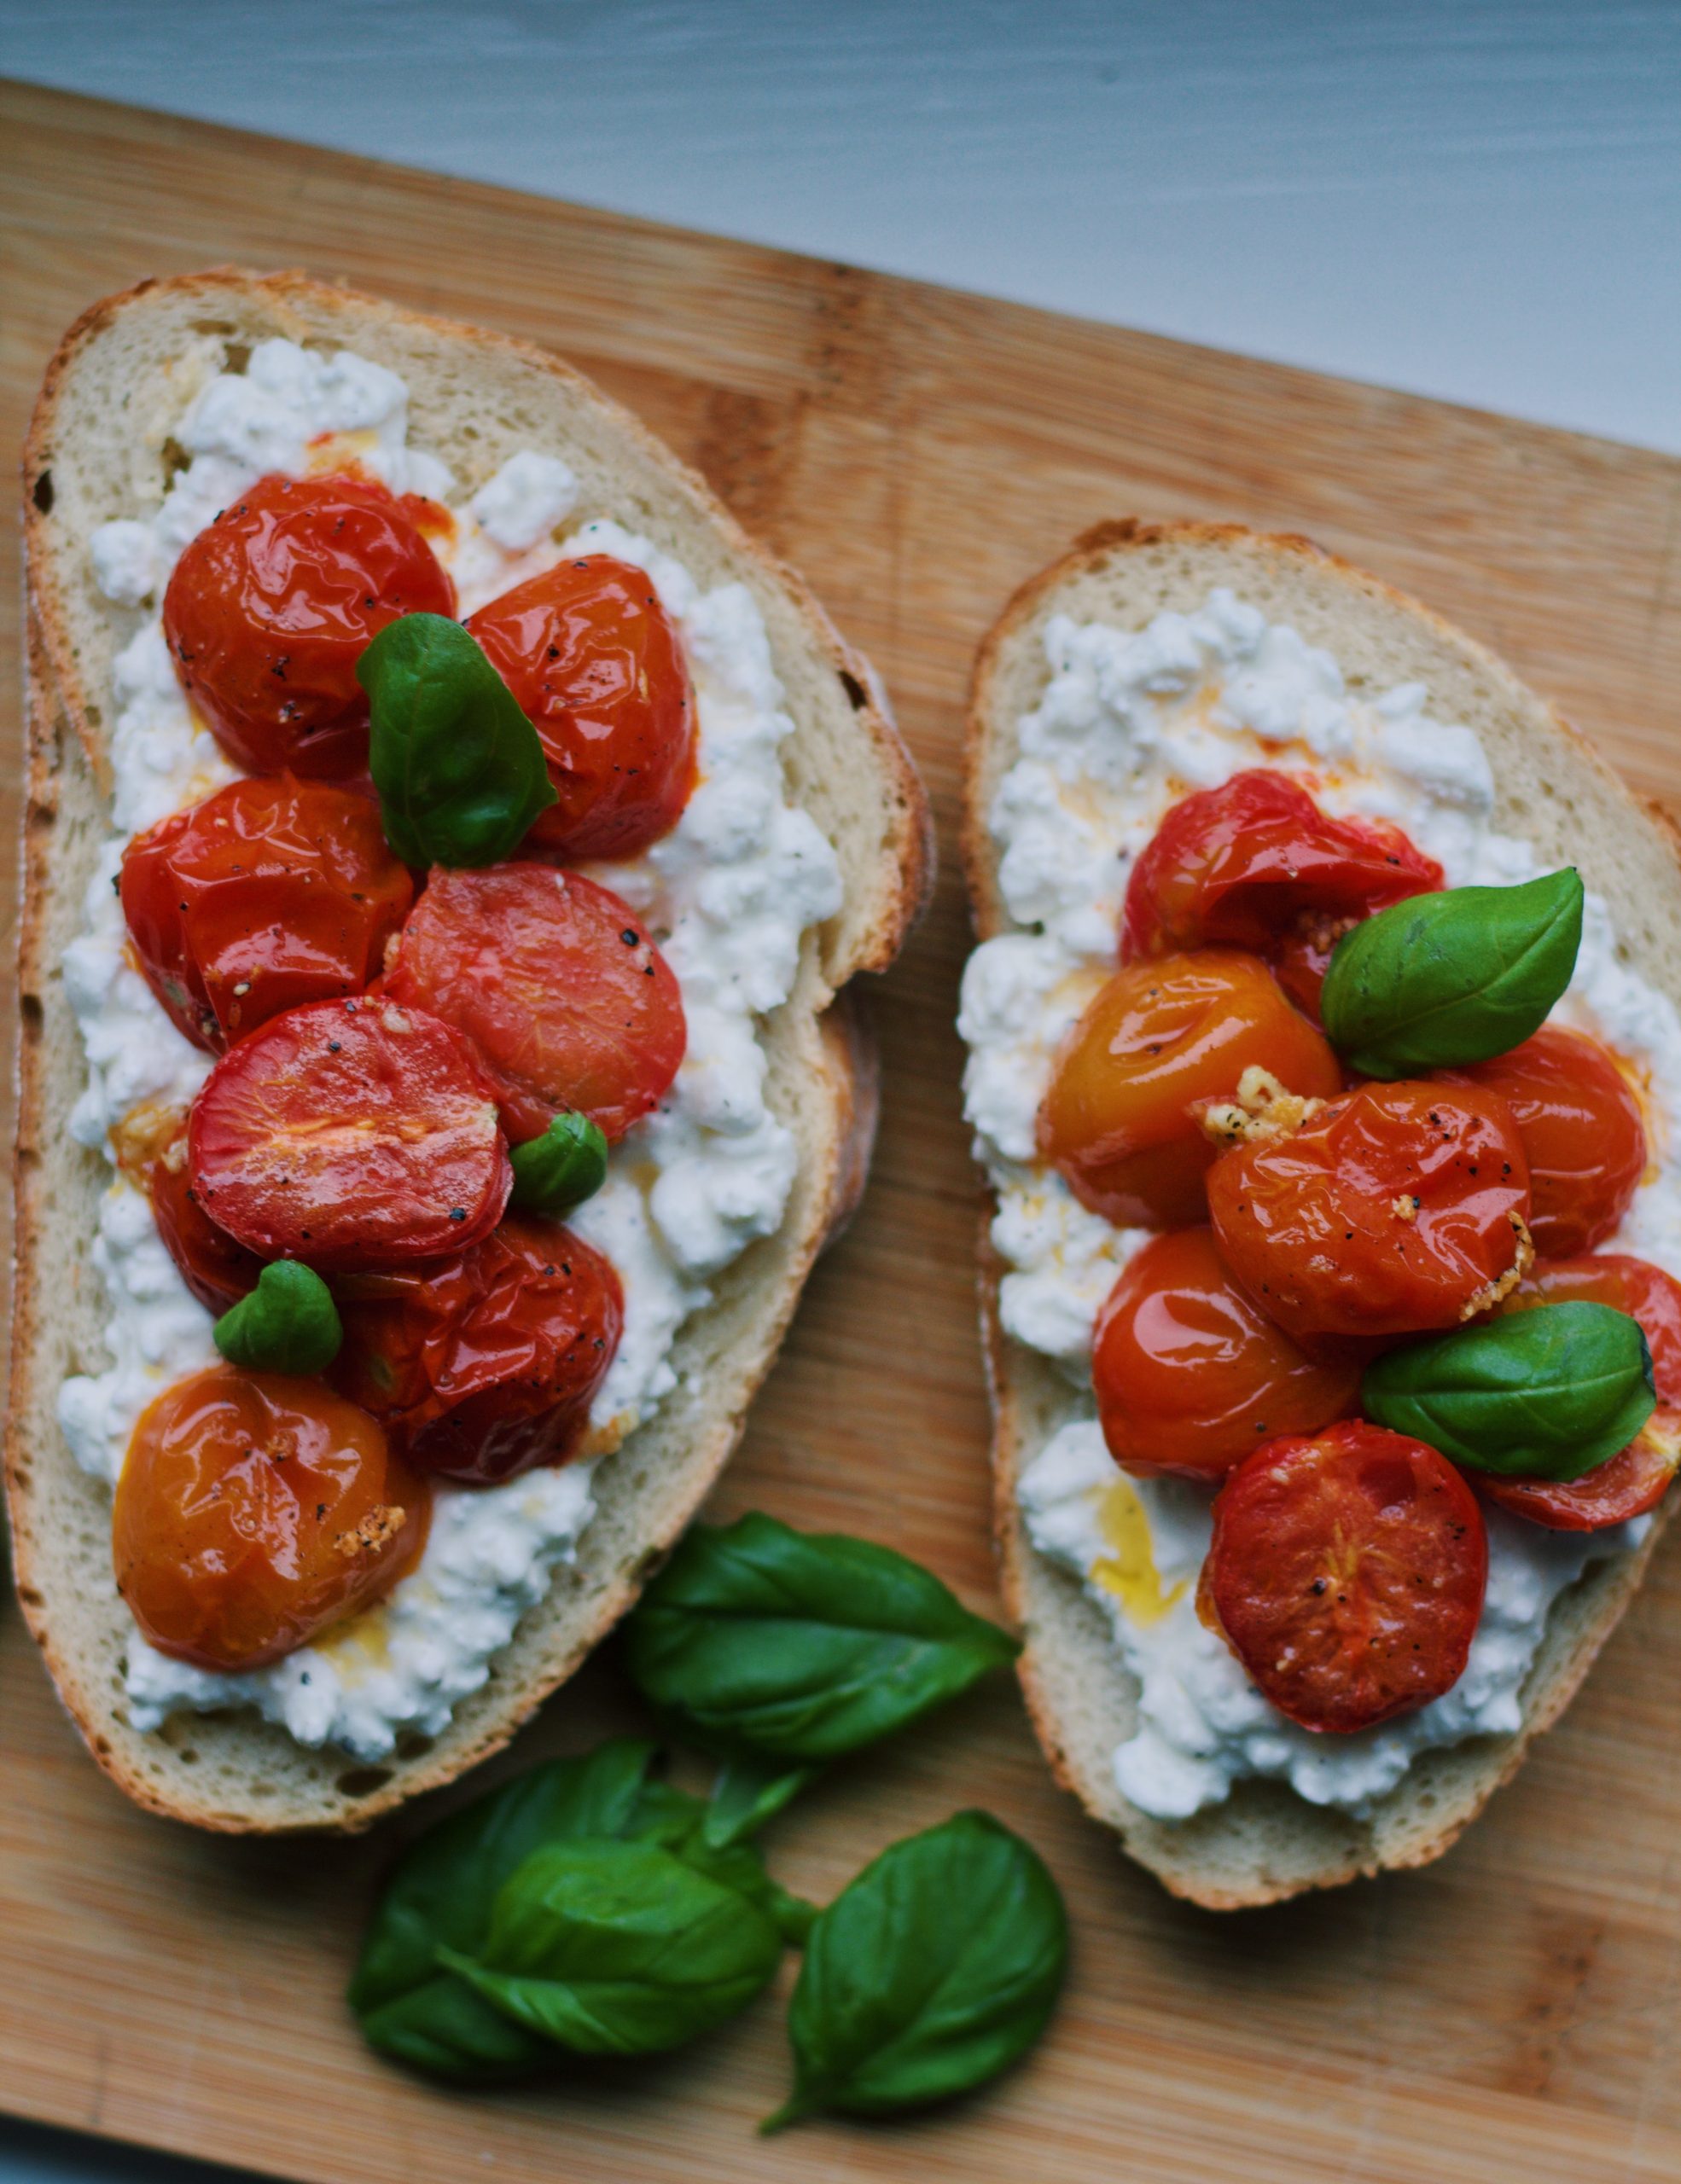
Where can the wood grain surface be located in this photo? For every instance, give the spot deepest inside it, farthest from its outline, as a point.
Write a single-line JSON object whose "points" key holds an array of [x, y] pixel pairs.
{"points": [[1511, 2011]]}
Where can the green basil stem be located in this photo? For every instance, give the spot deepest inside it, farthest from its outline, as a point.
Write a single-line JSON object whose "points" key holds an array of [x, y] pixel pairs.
{"points": [[287, 1324], [560, 1170]]}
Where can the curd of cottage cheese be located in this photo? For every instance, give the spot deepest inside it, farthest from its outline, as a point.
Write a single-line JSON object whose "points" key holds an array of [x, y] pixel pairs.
{"points": [[1128, 723], [727, 893]]}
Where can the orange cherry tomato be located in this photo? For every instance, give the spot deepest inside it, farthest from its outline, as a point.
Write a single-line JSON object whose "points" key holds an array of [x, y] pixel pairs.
{"points": [[357, 1136], [1346, 1573], [1158, 1042], [567, 1001], [1385, 1214], [255, 1511], [217, 1271], [271, 606], [1637, 1479], [1581, 1129], [1189, 1375], [270, 893], [486, 1364], [1256, 864], [598, 667]]}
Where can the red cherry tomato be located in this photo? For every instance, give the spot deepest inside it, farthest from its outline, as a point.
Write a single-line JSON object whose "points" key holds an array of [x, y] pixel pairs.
{"points": [[269, 893], [1386, 1213], [217, 1271], [1581, 1129], [598, 667], [1346, 1573], [270, 608], [1637, 1476], [569, 1002], [486, 1364], [355, 1135], [253, 1511], [1189, 1375], [1256, 864], [1161, 1041]]}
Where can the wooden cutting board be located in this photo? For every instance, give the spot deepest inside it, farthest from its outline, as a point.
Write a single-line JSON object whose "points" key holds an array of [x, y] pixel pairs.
{"points": [[1511, 2011]]}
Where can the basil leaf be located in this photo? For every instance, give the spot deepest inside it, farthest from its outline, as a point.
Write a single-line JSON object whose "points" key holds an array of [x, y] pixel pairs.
{"points": [[287, 1324], [459, 768], [748, 1791], [618, 1948], [801, 1646], [685, 1827], [1454, 978], [563, 1167], [1549, 1392], [928, 1974]]}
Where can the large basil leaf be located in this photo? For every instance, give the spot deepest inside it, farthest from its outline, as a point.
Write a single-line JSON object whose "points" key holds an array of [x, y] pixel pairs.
{"points": [[688, 1827], [1545, 1393], [287, 1324], [1450, 979], [801, 1646], [618, 1948], [929, 1974], [459, 768]]}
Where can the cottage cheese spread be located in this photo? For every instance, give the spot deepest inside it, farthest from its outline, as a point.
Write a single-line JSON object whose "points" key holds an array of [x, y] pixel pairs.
{"points": [[727, 893], [1128, 724]]}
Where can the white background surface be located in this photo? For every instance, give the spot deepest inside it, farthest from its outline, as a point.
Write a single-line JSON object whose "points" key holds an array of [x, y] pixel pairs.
{"points": [[1475, 199]]}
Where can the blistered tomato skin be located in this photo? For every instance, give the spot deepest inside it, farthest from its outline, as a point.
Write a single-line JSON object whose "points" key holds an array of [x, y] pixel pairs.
{"points": [[357, 1136], [598, 667], [217, 1271], [1347, 1572], [556, 982], [270, 893], [1162, 1039], [253, 1511], [272, 605], [486, 1364], [1392, 1211], [1582, 1130]]}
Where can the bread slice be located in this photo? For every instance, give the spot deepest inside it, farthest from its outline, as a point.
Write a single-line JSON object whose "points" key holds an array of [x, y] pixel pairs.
{"points": [[1264, 1842], [99, 448]]}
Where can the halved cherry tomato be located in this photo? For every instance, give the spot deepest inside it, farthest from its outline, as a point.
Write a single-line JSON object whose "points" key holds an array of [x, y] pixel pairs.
{"points": [[357, 1136], [1386, 1213], [1161, 1041], [1581, 1129], [567, 1001], [1346, 1573], [1256, 864], [253, 1511], [486, 1364], [598, 667], [1189, 1375], [271, 606], [270, 893], [217, 1271], [1637, 1476]]}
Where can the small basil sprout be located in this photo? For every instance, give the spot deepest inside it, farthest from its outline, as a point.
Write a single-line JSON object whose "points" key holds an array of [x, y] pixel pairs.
{"points": [[560, 1170], [287, 1324]]}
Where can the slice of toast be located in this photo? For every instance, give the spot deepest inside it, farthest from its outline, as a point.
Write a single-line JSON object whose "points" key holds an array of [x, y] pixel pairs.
{"points": [[1264, 1842], [100, 448]]}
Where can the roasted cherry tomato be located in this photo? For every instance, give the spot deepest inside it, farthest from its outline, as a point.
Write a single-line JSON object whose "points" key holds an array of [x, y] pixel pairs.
{"points": [[271, 606], [485, 1364], [1189, 1375], [1637, 1476], [217, 1271], [1161, 1041], [1256, 864], [1388, 1212], [1347, 1572], [555, 982], [598, 667], [270, 893], [355, 1135], [1581, 1129], [253, 1511]]}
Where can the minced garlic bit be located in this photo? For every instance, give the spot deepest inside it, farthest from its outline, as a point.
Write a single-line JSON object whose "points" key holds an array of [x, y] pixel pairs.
{"points": [[376, 1528], [1263, 1110], [1495, 1292], [1406, 1207]]}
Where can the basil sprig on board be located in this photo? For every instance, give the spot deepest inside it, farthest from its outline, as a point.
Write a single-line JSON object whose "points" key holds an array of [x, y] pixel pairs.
{"points": [[1549, 1392], [801, 1646], [560, 1170], [459, 768], [287, 1324], [928, 1974], [1447, 979]]}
